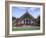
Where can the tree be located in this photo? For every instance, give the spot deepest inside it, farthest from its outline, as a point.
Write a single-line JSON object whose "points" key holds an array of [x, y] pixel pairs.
{"points": [[38, 20], [13, 18], [13, 21]]}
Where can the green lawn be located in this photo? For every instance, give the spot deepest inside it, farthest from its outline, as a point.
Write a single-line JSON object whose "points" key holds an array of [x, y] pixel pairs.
{"points": [[22, 29]]}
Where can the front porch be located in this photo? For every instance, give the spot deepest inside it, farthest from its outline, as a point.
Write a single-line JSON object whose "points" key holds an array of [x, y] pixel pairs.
{"points": [[25, 22]]}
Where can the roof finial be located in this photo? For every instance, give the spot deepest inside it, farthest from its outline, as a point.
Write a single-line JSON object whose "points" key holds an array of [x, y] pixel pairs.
{"points": [[26, 10]]}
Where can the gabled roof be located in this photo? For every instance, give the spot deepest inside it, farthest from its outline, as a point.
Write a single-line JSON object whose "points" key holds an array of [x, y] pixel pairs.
{"points": [[27, 15]]}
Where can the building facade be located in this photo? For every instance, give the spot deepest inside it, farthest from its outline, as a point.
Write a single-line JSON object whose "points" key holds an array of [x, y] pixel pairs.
{"points": [[25, 20]]}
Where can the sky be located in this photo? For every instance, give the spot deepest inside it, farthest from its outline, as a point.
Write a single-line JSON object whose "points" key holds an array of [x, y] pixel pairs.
{"points": [[19, 11]]}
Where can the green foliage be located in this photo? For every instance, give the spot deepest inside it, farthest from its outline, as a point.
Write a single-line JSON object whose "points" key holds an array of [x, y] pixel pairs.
{"points": [[38, 20], [13, 18], [13, 21]]}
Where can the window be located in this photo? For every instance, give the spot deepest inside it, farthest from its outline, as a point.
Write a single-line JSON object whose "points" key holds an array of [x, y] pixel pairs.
{"points": [[27, 21]]}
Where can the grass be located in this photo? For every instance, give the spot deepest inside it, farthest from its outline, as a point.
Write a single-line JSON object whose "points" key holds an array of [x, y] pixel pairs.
{"points": [[22, 29]]}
